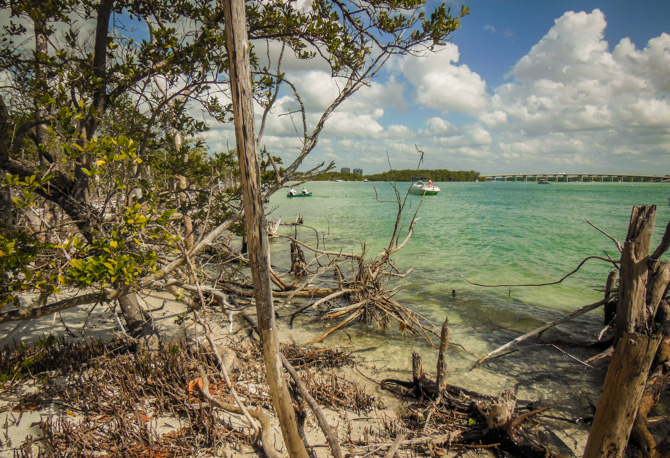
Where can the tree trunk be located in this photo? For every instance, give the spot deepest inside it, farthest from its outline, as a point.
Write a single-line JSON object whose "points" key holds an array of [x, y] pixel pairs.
{"points": [[632, 314], [138, 321], [242, 95], [6, 218], [622, 391], [643, 283]]}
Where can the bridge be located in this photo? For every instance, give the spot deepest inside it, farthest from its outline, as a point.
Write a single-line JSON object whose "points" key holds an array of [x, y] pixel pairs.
{"points": [[581, 177]]}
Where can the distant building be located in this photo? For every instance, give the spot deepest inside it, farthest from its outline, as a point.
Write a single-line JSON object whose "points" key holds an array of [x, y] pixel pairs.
{"points": [[346, 170], [358, 171]]}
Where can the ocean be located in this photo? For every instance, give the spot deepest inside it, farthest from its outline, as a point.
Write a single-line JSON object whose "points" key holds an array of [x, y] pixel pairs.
{"points": [[490, 233]]}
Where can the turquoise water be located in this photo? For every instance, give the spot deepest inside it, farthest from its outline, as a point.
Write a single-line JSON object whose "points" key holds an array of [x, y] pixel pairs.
{"points": [[491, 233]]}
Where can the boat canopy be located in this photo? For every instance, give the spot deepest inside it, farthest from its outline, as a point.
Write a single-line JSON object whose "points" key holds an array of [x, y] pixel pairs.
{"points": [[418, 178]]}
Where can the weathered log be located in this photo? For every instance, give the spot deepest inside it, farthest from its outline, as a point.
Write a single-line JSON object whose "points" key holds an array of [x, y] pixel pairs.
{"points": [[622, 391]]}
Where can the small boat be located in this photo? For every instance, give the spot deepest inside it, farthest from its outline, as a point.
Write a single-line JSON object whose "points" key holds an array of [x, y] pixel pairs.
{"points": [[543, 181], [421, 188], [293, 193], [309, 194]]}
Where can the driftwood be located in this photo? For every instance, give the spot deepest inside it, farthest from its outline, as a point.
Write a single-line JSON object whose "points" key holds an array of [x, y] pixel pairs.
{"points": [[298, 263], [499, 425], [369, 297]]}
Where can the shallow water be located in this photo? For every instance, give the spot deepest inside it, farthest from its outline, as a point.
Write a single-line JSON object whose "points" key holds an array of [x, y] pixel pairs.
{"points": [[492, 233]]}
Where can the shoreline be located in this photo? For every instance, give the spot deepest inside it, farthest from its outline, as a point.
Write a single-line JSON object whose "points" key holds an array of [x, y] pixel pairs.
{"points": [[171, 317]]}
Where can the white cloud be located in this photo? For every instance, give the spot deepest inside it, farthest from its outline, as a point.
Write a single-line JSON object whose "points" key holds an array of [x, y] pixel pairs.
{"points": [[651, 64], [440, 84], [571, 102], [494, 119], [439, 126], [572, 46], [399, 132], [348, 125]]}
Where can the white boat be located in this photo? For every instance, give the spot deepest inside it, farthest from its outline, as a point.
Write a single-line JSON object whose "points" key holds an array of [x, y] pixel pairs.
{"points": [[422, 187]]}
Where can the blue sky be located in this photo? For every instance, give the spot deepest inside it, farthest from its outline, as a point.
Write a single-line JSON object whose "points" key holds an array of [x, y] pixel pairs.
{"points": [[525, 86], [498, 33]]}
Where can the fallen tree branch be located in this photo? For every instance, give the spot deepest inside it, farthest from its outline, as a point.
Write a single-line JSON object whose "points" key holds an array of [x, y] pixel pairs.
{"points": [[576, 313], [22, 314], [339, 326], [544, 284]]}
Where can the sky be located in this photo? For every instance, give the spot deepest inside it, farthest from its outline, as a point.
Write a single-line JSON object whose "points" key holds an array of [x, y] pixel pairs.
{"points": [[522, 87]]}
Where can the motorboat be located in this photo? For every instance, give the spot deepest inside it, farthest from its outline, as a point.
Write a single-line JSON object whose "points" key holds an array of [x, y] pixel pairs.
{"points": [[293, 193], [543, 181], [422, 186]]}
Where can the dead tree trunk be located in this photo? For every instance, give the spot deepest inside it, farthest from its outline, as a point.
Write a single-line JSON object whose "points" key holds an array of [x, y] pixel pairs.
{"points": [[242, 94], [643, 285], [442, 358], [631, 314], [622, 391]]}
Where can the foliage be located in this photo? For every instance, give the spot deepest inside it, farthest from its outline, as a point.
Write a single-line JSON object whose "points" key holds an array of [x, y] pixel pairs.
{"points": [[332, 176], [100, 120], [435, 175], [18, 250]]}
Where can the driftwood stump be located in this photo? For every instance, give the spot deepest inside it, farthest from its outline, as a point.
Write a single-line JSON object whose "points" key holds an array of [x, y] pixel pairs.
{"points": [[298, 263]]}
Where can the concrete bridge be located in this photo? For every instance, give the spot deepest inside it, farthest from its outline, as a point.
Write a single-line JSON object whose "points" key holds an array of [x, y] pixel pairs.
{"points": [[565, 177]]}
